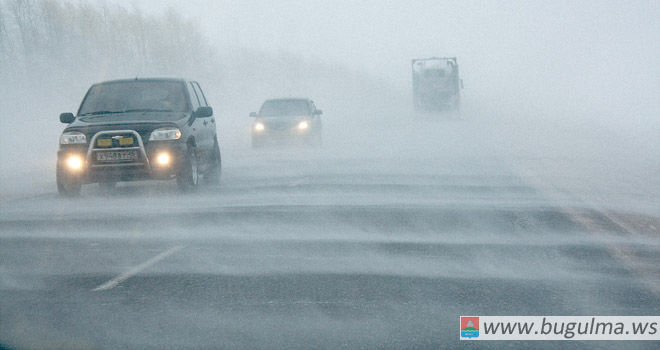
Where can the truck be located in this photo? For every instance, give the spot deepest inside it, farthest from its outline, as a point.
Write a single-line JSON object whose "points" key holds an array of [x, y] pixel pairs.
{"points": [[436, 85]]}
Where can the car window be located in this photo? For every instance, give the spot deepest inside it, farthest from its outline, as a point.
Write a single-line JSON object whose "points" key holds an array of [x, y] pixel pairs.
{"points": [[134, 95], [200, 94], [281, 108], [194, 99]]}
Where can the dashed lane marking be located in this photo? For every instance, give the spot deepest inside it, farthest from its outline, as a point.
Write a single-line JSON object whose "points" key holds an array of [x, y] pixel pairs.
{"points": [[135, 270]]}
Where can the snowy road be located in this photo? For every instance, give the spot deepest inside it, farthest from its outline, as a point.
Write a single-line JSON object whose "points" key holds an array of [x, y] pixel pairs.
{"points": [[324, 248]]}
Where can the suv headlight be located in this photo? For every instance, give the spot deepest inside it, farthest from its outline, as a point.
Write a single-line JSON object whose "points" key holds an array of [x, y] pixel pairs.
{"points": [[167, 133], [303, 125], [72, 137]]}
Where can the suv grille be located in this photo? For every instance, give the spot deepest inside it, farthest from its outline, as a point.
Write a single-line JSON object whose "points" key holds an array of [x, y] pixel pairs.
{"points": [[117, 148], [115, 141]]}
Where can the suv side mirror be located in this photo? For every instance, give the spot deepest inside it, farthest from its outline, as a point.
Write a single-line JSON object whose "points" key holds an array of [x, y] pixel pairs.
{"points": [[253, 114], [67, 118], [318, 112], [203, 112]]}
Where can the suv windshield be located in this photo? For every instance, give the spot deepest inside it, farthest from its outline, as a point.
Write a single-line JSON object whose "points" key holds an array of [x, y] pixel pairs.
{"points": [[114, 97], [280, 108]]}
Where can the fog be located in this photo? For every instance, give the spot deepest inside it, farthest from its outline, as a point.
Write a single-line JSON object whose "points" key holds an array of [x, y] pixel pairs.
{"points": [[563, 94], [550, 176], [558, 56], [579, 77]]}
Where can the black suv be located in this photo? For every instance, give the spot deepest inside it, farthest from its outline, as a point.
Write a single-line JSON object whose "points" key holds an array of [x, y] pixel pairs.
{"points": [[139, 129], [287, 120]]}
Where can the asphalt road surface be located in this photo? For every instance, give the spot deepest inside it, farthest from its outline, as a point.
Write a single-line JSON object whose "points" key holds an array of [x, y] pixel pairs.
{"points": [[365, 244]]}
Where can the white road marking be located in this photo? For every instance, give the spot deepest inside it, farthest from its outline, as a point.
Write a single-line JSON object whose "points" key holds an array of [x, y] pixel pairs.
{"points": [[135, 270]]}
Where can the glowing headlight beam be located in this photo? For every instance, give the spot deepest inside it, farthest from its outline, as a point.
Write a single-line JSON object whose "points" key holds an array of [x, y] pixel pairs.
{"points": [[74, 162], [259, 126], [303, 125], [163, 159]]}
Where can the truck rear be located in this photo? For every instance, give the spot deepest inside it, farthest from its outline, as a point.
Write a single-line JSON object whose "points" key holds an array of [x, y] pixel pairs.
{"points": [[436, 84]]}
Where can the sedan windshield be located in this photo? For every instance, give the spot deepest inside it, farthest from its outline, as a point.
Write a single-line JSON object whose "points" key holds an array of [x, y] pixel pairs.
{"points": [[281, 108], [134, 96]]}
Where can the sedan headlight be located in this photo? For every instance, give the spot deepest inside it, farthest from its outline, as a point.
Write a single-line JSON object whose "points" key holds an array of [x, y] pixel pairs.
{"points": [[167, 133], [259, 126], [72, 137]]}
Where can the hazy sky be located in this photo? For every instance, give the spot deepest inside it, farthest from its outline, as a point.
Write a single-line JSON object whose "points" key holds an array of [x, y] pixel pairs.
{"points": [[561, 50], [376, 33]]}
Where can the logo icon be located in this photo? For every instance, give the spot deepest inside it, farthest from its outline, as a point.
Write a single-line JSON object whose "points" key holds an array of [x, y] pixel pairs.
{"points": [[469, 327]]}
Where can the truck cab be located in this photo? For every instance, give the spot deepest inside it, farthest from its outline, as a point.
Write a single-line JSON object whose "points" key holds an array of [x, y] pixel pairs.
{"points": [[436, 84]]}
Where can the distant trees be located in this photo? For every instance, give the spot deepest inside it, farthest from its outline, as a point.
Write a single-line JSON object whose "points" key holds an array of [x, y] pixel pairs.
{"points": [[51, 51], [58, 39], [3, 37]]}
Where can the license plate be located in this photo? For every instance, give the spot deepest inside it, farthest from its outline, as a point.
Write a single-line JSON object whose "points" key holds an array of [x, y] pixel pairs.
{"points": [[116, 156]]}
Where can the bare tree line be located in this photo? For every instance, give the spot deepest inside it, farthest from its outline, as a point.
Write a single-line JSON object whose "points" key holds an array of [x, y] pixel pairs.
{"points": [[40, 37], [53, 50]]}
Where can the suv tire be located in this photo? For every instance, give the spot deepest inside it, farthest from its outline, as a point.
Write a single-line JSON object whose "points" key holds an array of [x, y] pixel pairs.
{"points": [[188, 176], [212, 175], [67, 186]]}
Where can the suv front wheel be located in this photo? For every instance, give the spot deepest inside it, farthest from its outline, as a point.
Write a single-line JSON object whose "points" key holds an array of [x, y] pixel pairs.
{"points": [[66, 185], [212, 175], [188, 176]]}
